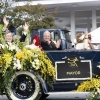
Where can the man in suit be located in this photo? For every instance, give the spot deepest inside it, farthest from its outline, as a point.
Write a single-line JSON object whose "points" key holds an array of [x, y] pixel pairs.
{"points": [[47, 43]]}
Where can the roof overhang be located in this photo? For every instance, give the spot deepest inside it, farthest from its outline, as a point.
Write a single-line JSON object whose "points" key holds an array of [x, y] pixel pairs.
{"points": [[45, 2]]}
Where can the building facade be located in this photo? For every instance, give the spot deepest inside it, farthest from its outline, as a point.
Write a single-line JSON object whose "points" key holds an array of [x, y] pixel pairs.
{"points": [[75, 15]]}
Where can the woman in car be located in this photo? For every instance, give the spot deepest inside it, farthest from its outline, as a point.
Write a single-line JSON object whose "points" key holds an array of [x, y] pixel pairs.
{"points": [[83, 42]]}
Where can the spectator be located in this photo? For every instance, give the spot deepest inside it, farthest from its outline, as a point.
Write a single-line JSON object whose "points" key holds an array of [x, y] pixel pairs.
{"points": [[48, 44], [36, 40], [35, 43], [83, 42], [89, 41], [9, 35]]}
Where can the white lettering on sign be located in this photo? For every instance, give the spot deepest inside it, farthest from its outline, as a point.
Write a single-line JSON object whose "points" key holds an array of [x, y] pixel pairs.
{"points": [[73, 73]]}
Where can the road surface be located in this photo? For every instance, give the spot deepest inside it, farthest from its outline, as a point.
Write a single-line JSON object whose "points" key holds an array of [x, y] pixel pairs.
{"points": [[3, 97]]}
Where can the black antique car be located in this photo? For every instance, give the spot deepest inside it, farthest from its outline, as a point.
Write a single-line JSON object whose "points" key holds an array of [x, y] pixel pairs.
{"points": [[72, 68]]}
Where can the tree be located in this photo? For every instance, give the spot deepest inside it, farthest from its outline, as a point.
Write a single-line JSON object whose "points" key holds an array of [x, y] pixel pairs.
{"points": [[36, 15]]}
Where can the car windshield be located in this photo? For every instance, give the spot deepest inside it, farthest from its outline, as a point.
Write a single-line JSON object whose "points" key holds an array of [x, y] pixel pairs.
{"points": [[66, 35], [62, 34], [57, 34]]}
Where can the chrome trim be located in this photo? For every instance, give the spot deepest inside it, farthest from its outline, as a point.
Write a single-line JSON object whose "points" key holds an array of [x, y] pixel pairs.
{"points": [[68, 95], [64, 57]]}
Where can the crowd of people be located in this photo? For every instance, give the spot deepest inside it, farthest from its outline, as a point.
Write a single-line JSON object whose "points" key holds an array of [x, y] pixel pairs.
{"points": [[83, 40], [46, 44]]}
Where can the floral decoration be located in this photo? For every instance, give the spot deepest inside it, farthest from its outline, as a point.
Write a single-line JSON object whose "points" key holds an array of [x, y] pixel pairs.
{"points": [[15, 57], [92, 86]]}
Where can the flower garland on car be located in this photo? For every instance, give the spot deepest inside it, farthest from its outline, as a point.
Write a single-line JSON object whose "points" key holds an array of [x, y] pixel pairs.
{"points": [[35, 60], [16, 57], [92, 86]]}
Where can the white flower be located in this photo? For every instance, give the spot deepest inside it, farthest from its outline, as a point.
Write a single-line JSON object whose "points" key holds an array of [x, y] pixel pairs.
{"points": [[6, 46], [35, 55], [12, 47], [32, 46], [14, 58], [14, 66], [17, 64], [36, 60], [17, 49], [35, 65], [98, 90], [1, 46]]}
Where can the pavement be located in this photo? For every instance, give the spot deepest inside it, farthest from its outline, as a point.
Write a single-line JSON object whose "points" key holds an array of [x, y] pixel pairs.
{"points": [[3, 97]]}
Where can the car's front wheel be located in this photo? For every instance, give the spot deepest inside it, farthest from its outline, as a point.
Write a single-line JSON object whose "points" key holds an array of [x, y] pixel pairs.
{"points": [[24, 86]]}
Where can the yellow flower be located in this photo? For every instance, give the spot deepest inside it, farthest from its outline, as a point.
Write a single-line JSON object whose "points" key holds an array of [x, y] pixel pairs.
{"points": [[7, 60], [89, 85], [1, 61], [19, 55]]}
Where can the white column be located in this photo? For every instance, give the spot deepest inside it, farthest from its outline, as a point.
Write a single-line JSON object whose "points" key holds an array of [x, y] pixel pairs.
{"points": [[94, 24], [72, 18], [89, 26]]}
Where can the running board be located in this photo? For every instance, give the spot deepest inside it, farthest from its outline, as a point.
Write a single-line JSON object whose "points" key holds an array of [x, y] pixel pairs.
{"points": [[68, 95]]}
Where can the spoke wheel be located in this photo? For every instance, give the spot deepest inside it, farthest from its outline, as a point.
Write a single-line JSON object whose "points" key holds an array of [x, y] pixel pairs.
{"points": [[24, 86]]}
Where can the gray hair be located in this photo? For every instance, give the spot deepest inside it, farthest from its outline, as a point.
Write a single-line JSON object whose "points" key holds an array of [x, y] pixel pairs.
{"points": [[7, 32], [46, 32]]}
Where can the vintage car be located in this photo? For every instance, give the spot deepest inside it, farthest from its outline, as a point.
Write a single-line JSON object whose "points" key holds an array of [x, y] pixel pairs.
{"points": [[72, 68]]}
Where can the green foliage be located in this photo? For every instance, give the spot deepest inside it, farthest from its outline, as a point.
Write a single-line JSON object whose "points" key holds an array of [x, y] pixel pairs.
{"points": [[36, 15], [1, 84], [7, 79], [1, 35], [19, 31]]}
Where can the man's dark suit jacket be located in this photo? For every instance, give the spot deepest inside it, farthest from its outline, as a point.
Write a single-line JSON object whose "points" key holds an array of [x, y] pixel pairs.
{"points": [[23, 37], [46, 46]]}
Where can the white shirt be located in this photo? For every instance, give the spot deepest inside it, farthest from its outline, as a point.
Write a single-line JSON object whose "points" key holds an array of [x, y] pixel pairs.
{"points": [[80, 46], [83, 46]]}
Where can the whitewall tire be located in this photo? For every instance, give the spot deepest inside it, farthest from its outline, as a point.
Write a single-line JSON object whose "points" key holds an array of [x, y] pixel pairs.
{"points": [[24, 86]]}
